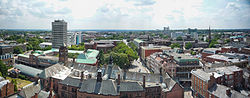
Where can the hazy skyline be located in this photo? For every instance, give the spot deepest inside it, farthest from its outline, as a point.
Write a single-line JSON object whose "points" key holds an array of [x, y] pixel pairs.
{"points": [[125, 14]]}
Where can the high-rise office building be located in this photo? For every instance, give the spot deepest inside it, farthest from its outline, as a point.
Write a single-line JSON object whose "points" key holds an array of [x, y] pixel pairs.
{"points": [[59, 33]]}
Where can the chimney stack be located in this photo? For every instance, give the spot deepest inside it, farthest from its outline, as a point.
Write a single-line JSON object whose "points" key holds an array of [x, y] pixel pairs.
{"points": [[99, 75], [144, 83], [160, 69], [74, 60], [118, 80], [118, 84], [51, 87], [228, 92], [81, 76], [36, 95]]}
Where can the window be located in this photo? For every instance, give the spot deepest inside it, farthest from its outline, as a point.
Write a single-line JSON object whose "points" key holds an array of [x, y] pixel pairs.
{"points": [[73, 90], [64, 87]]}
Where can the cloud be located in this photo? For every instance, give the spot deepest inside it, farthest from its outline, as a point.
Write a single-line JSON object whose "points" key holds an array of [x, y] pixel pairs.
{"points": [[125, 14], [142, 2]]}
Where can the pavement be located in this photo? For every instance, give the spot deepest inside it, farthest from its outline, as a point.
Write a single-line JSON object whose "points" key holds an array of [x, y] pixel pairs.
{"points": [[138, 67]]}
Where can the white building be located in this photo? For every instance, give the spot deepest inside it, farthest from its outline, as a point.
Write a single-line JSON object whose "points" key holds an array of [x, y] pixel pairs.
{"points": [[174, 35], [45, 44], [74, 38]]}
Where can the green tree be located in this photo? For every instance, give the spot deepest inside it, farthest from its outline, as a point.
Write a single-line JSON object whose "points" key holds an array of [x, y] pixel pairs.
{"points": [[188, 45], [14, 81], [18, 50], [179, 38], [101, 58], [175, 45], [3, 69], [121, 59], [192, 52], [47, 48]]}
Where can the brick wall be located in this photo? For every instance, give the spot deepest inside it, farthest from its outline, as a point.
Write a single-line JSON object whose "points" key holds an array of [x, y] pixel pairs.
{"points": [[7, 90]]}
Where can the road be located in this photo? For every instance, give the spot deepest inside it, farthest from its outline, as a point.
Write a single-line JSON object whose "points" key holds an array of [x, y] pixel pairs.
{"points": [[138, 67]]}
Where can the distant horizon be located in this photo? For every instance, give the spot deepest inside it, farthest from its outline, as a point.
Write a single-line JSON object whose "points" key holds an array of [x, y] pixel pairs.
{"points": [[130, 29]]}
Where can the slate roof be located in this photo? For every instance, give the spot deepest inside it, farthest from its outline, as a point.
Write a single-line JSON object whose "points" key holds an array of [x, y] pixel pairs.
{"points": [[130, 86], [85, 67], [52, 70], [169, 83], [201, 74], [106, 87], [44, 94], [27, 70], [220, 91], [139, 77], [29, 90], [71, 82]]}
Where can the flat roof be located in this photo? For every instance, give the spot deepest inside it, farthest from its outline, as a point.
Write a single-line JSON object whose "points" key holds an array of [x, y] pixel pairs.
{"points": [[138, 40], [201, 74], [155, 47], [222, 57]]}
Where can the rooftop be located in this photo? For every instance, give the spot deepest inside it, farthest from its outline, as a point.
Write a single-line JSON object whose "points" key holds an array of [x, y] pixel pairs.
{"points": [[201, 74], [220, 91], [27, 70], [138, 40]]}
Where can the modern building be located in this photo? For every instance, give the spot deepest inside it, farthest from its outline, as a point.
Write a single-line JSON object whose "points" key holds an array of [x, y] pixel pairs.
{"points": [[59, 33], [45, 44], [179, 65]]}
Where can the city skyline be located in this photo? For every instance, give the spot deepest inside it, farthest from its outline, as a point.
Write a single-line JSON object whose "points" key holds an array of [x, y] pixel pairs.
{"points": [[126, 14]]}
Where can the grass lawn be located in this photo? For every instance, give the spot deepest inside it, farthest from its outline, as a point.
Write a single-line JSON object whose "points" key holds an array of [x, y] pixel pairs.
{"points": [[20, 83]]}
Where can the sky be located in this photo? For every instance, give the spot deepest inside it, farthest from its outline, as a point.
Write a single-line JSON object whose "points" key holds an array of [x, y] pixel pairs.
{"points": [[126, 14]]}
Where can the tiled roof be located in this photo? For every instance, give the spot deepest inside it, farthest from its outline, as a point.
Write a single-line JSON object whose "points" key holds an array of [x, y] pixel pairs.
{"points": [[106, 87], [71, 82], [130, 86]]}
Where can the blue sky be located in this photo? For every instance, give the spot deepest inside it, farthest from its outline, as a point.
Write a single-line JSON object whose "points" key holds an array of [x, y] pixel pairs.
{"points": [[125, 14]]}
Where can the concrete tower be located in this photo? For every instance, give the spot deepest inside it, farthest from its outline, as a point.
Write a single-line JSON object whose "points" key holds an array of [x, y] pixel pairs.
{"points": [[59, 33]]}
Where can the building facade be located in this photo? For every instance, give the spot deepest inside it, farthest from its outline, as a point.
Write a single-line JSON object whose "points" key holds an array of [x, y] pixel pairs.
{"points": [[59, 33]]}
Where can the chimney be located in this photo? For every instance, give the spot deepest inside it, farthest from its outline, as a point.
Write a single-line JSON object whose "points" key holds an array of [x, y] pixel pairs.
{"points": [[51, 87], [118, 84], [160, 69], [144, 83], [99, 75], [36, 95], [81, 76], [118, 79], [228, 92], [74, 60]]}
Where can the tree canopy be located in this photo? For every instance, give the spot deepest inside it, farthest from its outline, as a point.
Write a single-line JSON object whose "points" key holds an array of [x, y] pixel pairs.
{"points": [[175, 45], [77, 47], [123, 55], [179, 38], [3, 69], [18, 50], [188, 45]]}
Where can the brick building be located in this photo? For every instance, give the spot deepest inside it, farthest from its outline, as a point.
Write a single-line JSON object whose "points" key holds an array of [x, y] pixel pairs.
{"points": [[204, 86], [6, 88], [239, 60], [148, 50], [209, 51]]}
